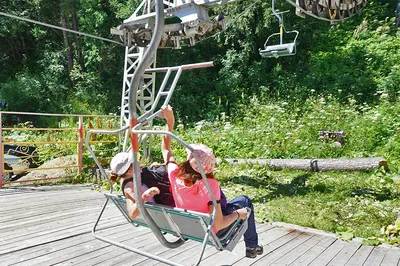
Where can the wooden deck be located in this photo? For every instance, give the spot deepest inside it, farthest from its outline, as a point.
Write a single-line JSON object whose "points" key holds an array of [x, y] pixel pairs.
{"points": [[52, 225]]}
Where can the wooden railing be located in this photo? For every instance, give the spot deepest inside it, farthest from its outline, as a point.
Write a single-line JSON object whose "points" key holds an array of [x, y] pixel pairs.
{"points": [[31, 146]]}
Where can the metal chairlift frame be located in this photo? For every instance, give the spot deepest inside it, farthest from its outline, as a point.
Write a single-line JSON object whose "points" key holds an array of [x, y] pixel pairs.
{"points": [[227, 242], [281, 49], [135, 126]]}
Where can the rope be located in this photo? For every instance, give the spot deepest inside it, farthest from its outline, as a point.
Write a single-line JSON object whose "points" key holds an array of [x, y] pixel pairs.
{"points": [[57, 27]]}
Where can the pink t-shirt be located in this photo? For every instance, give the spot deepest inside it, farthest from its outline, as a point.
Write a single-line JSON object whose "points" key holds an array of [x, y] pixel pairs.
{"points": [[195, 197]]}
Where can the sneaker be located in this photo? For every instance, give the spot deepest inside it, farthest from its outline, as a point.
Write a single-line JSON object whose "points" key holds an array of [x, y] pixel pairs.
{"points": [[253, 252]]}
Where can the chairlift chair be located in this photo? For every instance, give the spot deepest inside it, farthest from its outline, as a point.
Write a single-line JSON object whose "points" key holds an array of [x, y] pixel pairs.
{"points": [[183, 224], [281, 49]]}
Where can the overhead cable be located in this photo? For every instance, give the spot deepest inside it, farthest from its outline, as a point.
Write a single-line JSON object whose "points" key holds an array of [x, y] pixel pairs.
{"points": [[58, 28], [232, 21]]}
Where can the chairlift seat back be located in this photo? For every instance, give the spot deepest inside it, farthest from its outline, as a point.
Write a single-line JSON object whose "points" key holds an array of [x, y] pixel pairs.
{"points": [[188, 224]]}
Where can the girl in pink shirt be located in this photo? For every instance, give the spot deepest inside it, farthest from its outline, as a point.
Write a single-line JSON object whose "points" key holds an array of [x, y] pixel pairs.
{"points": [[190, 192]]}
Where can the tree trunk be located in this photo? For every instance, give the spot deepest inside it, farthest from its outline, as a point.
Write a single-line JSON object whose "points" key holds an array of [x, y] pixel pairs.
{"points": [[77, 37], [23, 45], [67, 43], [318, 165]]}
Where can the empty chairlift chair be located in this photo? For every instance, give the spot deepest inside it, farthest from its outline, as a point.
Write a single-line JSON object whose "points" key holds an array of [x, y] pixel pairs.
{"points": [[280, 49]]}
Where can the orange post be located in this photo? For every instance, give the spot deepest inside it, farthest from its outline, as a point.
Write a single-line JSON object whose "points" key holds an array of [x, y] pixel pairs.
{"points": [[1, 151], [80, 143], [134, 137]]}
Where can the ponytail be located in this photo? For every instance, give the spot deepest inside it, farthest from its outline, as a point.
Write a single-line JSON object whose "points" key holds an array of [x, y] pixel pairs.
{"points": [[113, 177]]}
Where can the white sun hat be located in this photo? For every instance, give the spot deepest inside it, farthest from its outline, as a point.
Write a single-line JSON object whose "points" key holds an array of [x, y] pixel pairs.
{"points": [[121, 162]]}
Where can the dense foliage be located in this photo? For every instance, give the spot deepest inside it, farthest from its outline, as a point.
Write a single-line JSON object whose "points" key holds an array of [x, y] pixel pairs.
{"points": [[76, 74]]}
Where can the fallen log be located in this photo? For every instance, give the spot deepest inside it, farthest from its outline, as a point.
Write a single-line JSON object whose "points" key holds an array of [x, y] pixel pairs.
{"points": [[317, 165]]}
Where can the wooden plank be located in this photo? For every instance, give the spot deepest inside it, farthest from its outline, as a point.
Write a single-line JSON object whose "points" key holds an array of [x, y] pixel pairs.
{"points": [[40, 195], [189, 257], [298, 251], [311, 254], [345, 254], [285, 236], [169, 253], [38, 210], [50, 247], [111, 251], [54, 193], [80, 250], [45, 199], [11, 206], [98, 257], [71, 213], [31, 230], [48, 236], [35, 190], [192, 255], [150, 245], [44, 210], [35, 255], [360, 256], [285, 249], [57, 230], [155, 248], [329, 253], [392, 258], [239, 251], [376, 256]]}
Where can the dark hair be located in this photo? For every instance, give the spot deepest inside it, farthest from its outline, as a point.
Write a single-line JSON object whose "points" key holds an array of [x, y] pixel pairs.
{"points": [[189, 175], [114, 177]]}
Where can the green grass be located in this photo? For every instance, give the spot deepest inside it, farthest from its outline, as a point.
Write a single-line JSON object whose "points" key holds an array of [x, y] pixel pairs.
{"points": [[357, 202], [360, 204]]}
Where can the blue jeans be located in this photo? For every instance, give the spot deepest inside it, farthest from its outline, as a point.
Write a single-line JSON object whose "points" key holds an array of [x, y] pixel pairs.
{"points": [[250, 236]]}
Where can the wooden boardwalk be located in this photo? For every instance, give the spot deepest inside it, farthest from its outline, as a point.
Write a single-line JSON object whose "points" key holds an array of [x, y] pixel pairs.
{"points": [[52, 226]]}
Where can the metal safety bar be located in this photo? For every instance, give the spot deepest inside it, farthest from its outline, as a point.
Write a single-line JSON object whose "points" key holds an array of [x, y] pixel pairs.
{"points": [[165, 91], [150, 114]]}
